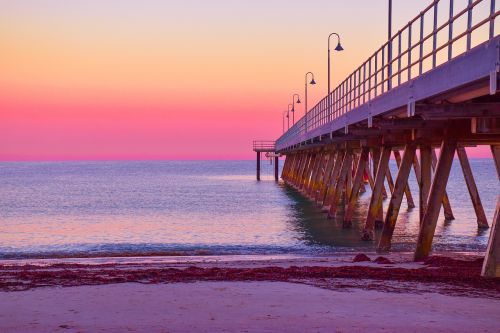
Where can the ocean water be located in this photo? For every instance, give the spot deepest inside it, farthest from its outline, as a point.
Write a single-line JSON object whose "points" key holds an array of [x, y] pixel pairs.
{"points": [[58, 209]]}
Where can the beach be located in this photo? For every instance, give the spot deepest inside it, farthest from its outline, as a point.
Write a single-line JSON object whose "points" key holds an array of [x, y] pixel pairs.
{"points": [[249, 294]]}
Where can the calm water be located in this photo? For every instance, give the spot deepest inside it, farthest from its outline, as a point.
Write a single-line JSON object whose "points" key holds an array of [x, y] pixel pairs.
{"points": [[193, 207]]}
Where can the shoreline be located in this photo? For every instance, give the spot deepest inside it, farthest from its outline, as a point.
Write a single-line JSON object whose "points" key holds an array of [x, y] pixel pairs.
{"points": [[460, 272]]}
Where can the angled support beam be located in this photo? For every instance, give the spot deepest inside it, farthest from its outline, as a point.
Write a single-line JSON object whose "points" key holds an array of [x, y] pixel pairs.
{"points": [[375, 160], [482, 222], [311, 173], [424, 177], [356, 186], [448, 213], [376, 199], [316, 175], [333, 180], [340, 186], [409, 197], [326, 178], [303, 177], [390, 181], [289, 159], [396, 198], [436, 195], [491, 263]]}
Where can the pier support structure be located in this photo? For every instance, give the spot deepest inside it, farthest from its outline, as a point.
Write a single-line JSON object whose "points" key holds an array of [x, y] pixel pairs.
{"points": [[334, 169]]}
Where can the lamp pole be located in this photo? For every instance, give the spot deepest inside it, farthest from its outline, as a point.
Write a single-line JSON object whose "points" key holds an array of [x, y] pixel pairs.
{"points": [[305, 98], [289, 110], [293, 106], [338, 49], [285, 114]]}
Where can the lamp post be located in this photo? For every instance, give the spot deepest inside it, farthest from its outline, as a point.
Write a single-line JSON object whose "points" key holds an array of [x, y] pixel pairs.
{"points": [[285, 114], [293, 106], [305, 98], [290, 110], [338, 48]]}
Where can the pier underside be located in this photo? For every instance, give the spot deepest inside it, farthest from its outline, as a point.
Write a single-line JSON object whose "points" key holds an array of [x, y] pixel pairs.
{"points": [[334, 169]]}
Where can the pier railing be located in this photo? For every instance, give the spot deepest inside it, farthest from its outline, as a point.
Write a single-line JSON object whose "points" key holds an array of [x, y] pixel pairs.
{"points": [[264, 145], [412, 51]]}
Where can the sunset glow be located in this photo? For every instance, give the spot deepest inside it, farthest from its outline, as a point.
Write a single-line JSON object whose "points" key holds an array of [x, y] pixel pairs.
{"points": [[112, 79]]}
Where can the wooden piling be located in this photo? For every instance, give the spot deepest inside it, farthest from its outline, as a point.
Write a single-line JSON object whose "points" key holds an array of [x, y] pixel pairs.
{"points": [[258, 165], [482, 222], [448, 213], [436, 195], [409, 197], [319, 175], [491, 263], [333, 180], [376, 198], [341, 182], [396, 198], [320, 197], [276, 168], [356, 185], [424, 177]]}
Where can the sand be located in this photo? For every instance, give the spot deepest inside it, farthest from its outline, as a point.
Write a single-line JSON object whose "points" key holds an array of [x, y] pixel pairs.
{"points": [[240, 307], [247, 294]]}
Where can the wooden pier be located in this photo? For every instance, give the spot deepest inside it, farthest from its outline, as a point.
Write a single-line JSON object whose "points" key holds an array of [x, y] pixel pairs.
{"points": [[422, 109], [269, 148]]}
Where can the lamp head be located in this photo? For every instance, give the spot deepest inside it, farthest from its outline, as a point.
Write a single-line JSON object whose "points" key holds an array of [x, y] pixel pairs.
{"points": [[339, 47], [312, 81], [298, 100]]}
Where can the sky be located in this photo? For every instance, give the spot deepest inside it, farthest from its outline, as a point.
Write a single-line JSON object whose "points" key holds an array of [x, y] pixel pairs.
{"points": [[170, 79]]}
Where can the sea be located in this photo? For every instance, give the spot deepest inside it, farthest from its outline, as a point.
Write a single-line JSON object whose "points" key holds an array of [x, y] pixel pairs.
{"points": [[169, 208]]}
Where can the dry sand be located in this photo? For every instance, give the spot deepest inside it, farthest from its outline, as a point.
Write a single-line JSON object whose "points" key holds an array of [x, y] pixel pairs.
{"points": [[245, 294], [240, 307]]}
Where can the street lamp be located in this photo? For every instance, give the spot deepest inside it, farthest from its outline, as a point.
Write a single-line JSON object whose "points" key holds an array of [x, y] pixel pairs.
{"points": [[305, 103], [289, 110], [285, 114], [338, 48], [293, 106]]}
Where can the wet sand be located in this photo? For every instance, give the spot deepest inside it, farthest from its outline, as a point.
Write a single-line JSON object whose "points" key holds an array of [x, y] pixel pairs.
{"points": [[320, 294], [240, 307]]}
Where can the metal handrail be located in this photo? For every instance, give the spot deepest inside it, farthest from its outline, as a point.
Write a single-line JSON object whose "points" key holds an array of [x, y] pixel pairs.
{"points": [[364, 84], [264, 144]]}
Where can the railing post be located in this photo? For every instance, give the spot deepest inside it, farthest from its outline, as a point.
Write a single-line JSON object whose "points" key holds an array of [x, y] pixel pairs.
{"points": [[364, 83], [389, 49], [370, 79], [399, 58], [409, 51], [376, 75], [469, 26], [434, 35], [492, 19], [383, 70], [353, 92], [450, 32], [421, 52]]}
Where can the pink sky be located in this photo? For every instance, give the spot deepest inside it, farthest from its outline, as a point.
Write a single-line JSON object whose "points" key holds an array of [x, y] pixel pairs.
{"points": [[190, 79]]}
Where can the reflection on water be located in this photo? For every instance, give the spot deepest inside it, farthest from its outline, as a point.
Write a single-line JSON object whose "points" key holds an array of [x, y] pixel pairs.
{"points": [[211, 206]]}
